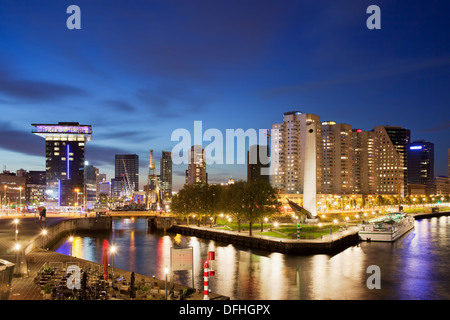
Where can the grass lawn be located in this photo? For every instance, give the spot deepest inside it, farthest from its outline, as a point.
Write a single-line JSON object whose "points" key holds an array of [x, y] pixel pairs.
{"points": [[274, 234]]}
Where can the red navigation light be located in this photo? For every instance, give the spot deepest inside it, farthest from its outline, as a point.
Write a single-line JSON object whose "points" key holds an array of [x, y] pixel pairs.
{"points": [[211, 255]]}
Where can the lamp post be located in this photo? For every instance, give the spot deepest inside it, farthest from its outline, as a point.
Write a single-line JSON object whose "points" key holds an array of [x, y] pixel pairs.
{"points": [[113, 251], [17, 268], [76, 198], [20, 197], [166, 271], [71, 241], [16, 232], [43, 233]]}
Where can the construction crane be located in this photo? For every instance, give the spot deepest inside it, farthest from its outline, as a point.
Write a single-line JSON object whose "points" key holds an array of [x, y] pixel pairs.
{"points": [[152, 174]]}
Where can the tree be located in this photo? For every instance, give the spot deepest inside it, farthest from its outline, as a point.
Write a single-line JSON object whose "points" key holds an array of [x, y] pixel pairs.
{"points": [[180, 204], [200, 199], [214, 203], [233, 201], [259, 200], [379, 200]]}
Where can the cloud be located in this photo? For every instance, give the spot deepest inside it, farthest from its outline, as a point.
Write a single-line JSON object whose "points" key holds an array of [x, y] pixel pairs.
{"points": [[442, 127], [386, 71], [99, 155], [119, 105], [21, 141], [32, 90], [172, 101]]}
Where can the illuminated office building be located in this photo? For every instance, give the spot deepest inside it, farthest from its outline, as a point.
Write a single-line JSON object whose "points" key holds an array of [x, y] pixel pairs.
{"points": [[364, 166], [196, 172], [166, 174], [64, 151], [421, 165], [338, 158], [257, 159], [289, 153], [126, 174], [391, 160]]}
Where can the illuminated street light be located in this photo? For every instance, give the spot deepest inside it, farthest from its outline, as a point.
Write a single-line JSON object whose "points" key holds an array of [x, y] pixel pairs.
{"points": [[20, 197], [166, 271], [113, 251], [43, 233], [16, 222], [71, 241], [76, 197]]}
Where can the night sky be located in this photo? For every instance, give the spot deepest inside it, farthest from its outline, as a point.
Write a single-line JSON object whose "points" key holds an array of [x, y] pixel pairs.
{"points": [[138, 70]]}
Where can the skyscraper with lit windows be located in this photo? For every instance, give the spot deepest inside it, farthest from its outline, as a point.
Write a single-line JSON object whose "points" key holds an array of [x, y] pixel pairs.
{"points": [[65, 158], [391, 160], [421, 164], [289, 147]]}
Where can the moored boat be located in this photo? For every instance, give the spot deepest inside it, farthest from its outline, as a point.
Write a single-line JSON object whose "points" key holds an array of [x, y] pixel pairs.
{"points": [[387, 228]]}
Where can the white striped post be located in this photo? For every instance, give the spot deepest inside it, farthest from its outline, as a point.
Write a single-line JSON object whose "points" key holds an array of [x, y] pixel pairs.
{"points": [[206, 280]]}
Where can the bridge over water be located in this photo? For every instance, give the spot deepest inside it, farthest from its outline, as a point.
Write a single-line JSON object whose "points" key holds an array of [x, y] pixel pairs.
{"points": [[156, 220]]}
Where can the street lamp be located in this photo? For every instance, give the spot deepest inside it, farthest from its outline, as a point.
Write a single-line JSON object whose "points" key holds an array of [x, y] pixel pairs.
{"points": [[76, 197], [20, 197], [43, 233], [166, 271], [71, 241], [113, 251], [16, 222]]}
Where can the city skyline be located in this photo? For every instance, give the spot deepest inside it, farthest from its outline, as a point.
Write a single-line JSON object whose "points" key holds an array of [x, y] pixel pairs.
{"points": [[138, 71]]}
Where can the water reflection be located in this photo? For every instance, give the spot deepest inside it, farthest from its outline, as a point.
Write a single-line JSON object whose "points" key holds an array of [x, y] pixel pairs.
{"points": [[414, 267]]}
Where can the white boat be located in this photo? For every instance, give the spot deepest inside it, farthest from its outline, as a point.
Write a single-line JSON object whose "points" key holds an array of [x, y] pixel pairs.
{"points": [[388, 228]]}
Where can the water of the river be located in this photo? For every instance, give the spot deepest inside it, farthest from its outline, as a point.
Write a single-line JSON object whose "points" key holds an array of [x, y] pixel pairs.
{"points": [[416, 266]]}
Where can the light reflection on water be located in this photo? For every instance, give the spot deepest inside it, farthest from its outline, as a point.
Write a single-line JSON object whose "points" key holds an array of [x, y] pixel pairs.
{"points": [[416, 266]]}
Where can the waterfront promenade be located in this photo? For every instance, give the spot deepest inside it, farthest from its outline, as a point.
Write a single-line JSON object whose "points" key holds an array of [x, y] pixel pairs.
{"points": [[23, 287]]}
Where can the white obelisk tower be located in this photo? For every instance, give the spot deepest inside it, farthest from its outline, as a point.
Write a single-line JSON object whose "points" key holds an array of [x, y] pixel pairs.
{"points": [[309, 176]]}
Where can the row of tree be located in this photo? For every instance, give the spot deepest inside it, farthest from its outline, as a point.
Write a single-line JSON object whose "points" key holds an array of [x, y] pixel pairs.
{"points": [[245, 201]]}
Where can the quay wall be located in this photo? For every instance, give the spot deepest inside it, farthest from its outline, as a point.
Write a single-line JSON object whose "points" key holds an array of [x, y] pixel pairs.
{"points": [[431, 215], [64, 227], [275, 245]]}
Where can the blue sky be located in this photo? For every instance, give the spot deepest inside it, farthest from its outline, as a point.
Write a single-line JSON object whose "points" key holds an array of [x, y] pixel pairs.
{"points": [[138, 70]]}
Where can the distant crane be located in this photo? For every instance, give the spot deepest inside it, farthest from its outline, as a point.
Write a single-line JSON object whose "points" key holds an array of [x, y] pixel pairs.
{"points": [[152, 175]]}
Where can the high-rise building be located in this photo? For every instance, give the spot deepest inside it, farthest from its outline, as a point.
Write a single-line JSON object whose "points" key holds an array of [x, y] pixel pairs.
{"points": [[12, 188], [391, 160], [421, 164], [442, 184], [196, 172], [338, 158], [35, 188], [64, 145], [166, 174], [289, 152], [257, 159], [364, 172], [91, 174], [127, 173]]}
